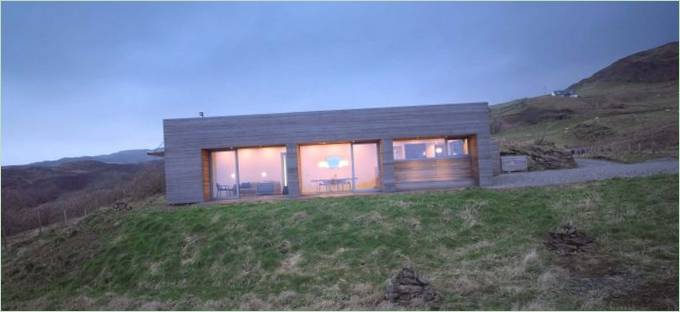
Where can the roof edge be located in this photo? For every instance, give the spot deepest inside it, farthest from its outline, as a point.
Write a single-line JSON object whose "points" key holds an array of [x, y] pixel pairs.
{"points": [[330, 110]]}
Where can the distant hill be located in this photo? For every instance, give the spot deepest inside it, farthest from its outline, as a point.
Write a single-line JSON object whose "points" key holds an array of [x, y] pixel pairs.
{"points": [[122, 157], [650, 66], [627, 111]]}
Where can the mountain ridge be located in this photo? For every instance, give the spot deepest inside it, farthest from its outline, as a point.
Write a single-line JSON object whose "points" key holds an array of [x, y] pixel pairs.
{"points": [[132, 156]]}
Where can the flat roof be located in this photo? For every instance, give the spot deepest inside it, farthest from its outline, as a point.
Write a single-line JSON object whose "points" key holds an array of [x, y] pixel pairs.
{"points": [[458, 105]]}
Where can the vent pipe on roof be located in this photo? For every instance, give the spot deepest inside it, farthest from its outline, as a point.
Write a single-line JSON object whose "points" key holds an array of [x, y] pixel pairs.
{"points": [[200, 114]]}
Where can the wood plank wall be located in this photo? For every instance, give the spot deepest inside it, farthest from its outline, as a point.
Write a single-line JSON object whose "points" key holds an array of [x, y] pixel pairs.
{"points": [[205, 167], [423, 173]]}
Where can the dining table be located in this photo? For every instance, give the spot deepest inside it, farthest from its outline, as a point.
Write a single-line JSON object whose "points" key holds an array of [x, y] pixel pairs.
{"points": [[336, 183]]}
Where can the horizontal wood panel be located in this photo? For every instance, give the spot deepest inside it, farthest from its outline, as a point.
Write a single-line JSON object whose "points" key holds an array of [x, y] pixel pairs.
{"points": [[413, 186], [429, 170]]}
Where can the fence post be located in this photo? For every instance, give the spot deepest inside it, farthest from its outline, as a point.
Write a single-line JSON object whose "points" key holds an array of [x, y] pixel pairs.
{"points": [[65, 219]]}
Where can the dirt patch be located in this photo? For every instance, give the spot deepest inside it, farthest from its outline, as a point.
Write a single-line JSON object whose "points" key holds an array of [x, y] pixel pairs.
{"points": [[409, 289], [567, 240]]}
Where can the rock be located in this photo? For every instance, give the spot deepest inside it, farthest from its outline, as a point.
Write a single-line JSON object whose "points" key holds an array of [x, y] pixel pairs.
{"points": [[541, 155], [407, 288], [567, 240], [121, 206]]}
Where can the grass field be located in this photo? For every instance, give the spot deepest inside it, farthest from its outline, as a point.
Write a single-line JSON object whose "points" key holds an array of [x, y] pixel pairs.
{"points": [[482, 249], [640, 119]]}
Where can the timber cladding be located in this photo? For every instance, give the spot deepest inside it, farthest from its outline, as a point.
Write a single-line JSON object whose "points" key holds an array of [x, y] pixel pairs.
{"points": [[188, 142], [429, 170]]}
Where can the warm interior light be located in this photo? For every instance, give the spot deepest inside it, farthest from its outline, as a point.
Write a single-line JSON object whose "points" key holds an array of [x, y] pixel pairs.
{"points": [[263, 174], [323, 164], [438, 150], [233, 176]]}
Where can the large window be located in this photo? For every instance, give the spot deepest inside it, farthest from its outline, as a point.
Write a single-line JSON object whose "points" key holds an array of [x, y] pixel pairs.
{"points": [[429, 148], [418, 149], [339, 167], [260, 171], [248, 172], [223, 173]]}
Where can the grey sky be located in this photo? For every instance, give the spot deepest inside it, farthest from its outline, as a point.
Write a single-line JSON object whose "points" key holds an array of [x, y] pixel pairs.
{"points": [[93, 78]]}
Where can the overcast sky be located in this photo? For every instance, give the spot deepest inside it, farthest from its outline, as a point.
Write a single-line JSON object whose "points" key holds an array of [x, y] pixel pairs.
{"points": [[94, 78]]}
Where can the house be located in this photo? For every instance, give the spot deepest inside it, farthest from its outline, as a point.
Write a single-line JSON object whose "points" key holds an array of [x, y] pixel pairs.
{"points": [[327, 152], [564, 93]]}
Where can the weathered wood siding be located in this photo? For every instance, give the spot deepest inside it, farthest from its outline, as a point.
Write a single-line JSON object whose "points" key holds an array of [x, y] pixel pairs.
{"points": [[185, 138], [205, 167], [424, 173]]}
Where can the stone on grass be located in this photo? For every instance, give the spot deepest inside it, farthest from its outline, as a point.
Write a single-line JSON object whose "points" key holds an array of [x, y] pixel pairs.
{"points": [[408, 288]]}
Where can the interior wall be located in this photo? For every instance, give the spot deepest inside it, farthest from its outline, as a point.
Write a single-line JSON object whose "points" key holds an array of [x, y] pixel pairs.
{"points": [[260, 164], [366, 168]]}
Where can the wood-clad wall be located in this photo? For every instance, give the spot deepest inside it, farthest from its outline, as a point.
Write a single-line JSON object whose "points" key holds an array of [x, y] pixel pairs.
{"points": [[186, 138], [205, 167], [423, 170]]}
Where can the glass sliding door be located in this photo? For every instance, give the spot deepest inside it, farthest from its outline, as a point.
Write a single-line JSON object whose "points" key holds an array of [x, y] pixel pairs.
{"points": [[325, 168], [366, 168], [223, 174], [261, 171], [345, 167]]}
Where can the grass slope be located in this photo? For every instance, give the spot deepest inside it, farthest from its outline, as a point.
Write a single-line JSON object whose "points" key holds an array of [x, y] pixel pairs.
{"points": [[627, 111], [481, 248], [624, 121]]}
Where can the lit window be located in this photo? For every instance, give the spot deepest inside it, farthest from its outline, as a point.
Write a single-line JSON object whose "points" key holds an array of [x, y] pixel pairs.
{"points": [[457, 147], [418, 149]]}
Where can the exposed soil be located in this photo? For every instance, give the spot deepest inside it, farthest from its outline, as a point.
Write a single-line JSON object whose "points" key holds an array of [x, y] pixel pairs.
{"points": [[409, 289], [567, 240]]}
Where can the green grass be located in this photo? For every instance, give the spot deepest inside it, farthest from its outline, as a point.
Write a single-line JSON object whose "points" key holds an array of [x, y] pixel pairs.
{"points": [[482, 249], [643, 119]]}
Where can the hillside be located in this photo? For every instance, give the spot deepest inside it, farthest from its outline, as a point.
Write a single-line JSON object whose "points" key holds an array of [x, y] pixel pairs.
{"points": [[74, 186], [482, 250], [122, 157], [627, 111]]}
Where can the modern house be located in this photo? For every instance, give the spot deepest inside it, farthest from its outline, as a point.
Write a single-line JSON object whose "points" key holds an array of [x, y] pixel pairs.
{"points": [[311, 153]]}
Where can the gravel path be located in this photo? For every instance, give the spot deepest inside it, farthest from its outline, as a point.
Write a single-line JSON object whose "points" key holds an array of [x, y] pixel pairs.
{"points": [[588, 170]]}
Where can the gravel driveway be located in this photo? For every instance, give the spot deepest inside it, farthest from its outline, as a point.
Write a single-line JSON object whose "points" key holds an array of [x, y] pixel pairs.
{"points": [[588, 170]]}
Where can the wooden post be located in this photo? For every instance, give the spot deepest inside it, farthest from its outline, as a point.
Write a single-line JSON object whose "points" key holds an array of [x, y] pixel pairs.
{"points": [[65, 218]]}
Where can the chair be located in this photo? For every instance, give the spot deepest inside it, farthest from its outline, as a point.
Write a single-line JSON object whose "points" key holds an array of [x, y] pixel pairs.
{"points": [[322, 183], [223, 188]]}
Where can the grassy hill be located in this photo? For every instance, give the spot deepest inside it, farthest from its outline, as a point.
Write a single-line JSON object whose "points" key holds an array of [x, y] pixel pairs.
{"points": [[74, 187], [628, 111], [482, 249]]}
